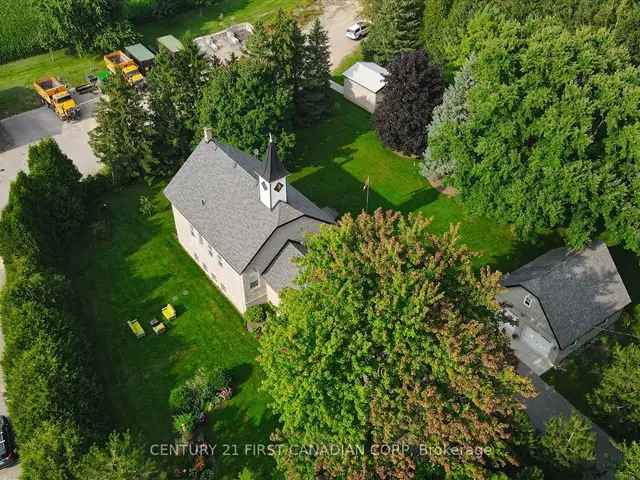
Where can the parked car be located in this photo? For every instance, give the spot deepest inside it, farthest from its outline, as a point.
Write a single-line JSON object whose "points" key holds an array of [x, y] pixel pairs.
{"points": [[8, 455], [357, 30]]}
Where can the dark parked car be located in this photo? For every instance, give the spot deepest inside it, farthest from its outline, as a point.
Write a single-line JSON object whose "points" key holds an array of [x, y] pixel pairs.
{"points": [[8, 455]]}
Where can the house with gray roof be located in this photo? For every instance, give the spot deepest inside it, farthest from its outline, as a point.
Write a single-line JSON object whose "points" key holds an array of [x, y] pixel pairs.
{"points": [[560, 301], [240, 220]]}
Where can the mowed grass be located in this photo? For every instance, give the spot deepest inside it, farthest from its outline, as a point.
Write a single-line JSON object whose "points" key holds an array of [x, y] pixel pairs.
{"points": [[16, 78], [132, 275], [336, 157]]}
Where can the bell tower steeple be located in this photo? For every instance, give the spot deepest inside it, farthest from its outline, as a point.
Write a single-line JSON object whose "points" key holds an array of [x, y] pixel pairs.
{"points": [[272, 178]]}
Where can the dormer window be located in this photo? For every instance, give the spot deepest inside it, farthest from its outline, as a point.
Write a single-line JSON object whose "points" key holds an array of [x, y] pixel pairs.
{"points": [[264, 185], [528, 301], [279, 187]]}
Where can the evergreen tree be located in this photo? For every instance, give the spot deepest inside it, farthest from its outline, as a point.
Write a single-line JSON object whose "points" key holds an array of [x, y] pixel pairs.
{"points": [[414, 87], [396, 28], [281, 45], [390, 338], [121, 137], [45, 208], [617, 397], [629, 468], [316, 93], [175, 87], [120, 459], [244, 103], [568, 445]]}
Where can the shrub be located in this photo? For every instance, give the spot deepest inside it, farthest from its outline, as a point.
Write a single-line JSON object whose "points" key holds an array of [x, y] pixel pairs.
{"points": [[185, 422], [256, 316], [146, 206], [181, 399], [630, 466]]}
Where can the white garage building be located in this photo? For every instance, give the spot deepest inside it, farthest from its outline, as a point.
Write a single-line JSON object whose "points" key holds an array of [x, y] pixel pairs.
{"points": [[364, 84]]}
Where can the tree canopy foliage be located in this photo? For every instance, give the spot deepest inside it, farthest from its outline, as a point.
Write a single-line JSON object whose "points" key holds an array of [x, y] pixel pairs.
{"points": [[391, 338], [244, 103], [568, 445], [551, 140], [414, 87], [45, 208], [121, 139], [617, 397], [175, 86], [396, 27], [445, 21]]}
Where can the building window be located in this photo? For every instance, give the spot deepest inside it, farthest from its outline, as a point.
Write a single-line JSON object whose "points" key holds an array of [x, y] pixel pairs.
{"points": [[264, 185], [193, 231], [220, 260], [224, 289], [200, 238], [204, 265], [254, 280], [210, 251], [528, 301], [195, 255], [279, 187], [213, 276]]}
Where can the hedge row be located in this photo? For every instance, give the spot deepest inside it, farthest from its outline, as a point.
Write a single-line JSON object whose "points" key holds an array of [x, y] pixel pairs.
{"points": [[53, 394]]}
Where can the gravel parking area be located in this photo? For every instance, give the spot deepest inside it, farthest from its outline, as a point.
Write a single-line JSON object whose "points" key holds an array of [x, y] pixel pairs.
{"points": [[337, 16]]}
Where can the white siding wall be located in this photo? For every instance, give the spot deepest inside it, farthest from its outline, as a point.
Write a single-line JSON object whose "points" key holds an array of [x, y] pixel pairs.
{"points": [[359, 95], [272, 295], [224, 277]]}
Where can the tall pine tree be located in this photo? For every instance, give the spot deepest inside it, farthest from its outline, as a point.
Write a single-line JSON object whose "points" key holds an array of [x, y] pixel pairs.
{"points": [[316, 93], [175, 86], [414, 88], [121, 138], [397, 28]]}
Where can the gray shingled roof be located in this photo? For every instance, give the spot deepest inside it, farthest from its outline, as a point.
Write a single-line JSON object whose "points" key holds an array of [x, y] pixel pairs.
{"points": [[282, 272], [577, 290], [216, 190]]}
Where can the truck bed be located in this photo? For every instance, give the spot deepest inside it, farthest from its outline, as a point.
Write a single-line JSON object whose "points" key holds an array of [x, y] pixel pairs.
{"points": [[117, 58], [49, 83]]}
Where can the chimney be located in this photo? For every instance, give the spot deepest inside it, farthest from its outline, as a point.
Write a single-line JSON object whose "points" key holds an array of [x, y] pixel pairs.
{"points": [[208, 134]]}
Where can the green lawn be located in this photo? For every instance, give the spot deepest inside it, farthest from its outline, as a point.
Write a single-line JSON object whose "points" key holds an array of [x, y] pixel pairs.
{"points": [[133, 274], [16, 77], [337, 156]]}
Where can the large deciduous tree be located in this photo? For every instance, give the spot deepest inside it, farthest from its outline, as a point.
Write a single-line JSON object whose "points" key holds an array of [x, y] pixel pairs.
{"points": [[391, 338], [175, 87], [630, 466], [396, 28], [551, 139], [617, 397], [121, 139], [244, 103], [414, 87]]}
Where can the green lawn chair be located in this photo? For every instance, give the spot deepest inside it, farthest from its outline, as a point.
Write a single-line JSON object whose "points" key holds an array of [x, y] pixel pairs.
{"points": [[136, 328]]}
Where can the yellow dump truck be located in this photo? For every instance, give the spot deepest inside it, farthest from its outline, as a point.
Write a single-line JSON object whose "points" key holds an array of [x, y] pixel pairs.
{"points": [[54, 94], [120, 62]]}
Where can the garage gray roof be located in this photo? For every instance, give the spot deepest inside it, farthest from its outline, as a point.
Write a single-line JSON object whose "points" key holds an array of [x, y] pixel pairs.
{"points": [[577, 290], [216, 190], [282, 272]]}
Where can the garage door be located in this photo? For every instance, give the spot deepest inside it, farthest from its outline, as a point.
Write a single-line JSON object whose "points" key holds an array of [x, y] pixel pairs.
{"points": [[536, 341]]}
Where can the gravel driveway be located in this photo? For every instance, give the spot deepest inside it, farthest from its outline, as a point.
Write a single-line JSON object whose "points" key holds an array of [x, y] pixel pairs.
{"points": [[337, 16]]}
